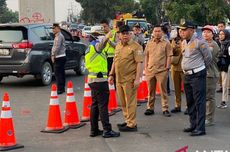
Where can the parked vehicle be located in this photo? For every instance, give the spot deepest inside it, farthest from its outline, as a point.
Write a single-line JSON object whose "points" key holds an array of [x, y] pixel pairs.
{"points": [[25, 49], [86, 31]]}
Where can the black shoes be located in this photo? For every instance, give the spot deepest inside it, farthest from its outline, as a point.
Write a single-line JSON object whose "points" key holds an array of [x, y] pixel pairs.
{"points": [[149, 112], [166, 113], [189, 129], [60, 91], [109, 134], [186, 111], [96, 133], [122, 124], [128, 129], [197, 133], [176, 110]]}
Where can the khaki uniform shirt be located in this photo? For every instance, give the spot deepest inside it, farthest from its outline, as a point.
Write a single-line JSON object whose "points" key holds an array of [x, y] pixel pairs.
{"points": [[158, 53], [177, 52], [126, 59]]}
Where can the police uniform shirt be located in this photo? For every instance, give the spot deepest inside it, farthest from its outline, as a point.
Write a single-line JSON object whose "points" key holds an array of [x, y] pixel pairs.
{"points": [[196, 54], [126, 59]]}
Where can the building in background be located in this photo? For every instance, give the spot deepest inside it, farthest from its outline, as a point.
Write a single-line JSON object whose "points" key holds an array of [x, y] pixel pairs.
{"points": [[36, 11]]}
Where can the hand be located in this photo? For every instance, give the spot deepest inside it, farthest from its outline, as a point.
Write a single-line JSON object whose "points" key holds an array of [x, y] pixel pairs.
{"points": [[52, 59], [109, 35], [136, 83], [111, 80]]}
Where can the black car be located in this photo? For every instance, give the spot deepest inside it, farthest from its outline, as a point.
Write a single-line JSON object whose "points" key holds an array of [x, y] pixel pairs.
{"points": [[25, 49]]}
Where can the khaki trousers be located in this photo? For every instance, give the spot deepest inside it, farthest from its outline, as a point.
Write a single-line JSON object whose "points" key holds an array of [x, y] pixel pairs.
{"points": [[127, 94], [178, 78], [225, 81], [210, 98], [161, 78]]}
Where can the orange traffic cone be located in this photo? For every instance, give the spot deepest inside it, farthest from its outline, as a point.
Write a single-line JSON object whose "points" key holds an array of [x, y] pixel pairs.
{"points": [[54, 123], [7, 134], [113, 107], [87, 102], [142, 91], [71, 113], [157, 89]]}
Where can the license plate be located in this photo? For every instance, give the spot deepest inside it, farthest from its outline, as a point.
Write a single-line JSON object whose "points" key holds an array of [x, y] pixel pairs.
{"points": [[4, 52]]}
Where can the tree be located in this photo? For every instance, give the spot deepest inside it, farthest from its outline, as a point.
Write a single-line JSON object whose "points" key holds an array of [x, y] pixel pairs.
{"points": [[96, 10], [200, 11], [7, 15], [150, 9]]}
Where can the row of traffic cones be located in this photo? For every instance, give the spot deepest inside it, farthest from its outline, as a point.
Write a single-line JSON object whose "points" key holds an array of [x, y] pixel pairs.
{"points": [[142, 92], [71, 120], [87, 102]]}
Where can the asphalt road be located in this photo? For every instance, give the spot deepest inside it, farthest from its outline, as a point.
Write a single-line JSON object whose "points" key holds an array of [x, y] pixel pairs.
{"points": [[30, 102]]}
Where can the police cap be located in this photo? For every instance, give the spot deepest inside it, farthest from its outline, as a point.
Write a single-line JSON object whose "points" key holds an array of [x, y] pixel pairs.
{"points": [[124, 28], [186, 24]]}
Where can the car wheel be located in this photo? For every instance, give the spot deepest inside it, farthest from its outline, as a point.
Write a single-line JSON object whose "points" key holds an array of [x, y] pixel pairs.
{"points": [[81, 70], [46, 74]]}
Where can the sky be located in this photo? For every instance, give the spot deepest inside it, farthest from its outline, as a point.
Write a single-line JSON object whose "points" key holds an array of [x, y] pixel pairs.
{"points": [[61, 8]]}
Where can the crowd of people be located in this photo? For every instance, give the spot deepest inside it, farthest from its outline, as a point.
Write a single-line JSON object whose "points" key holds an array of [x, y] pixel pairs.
{"points": [[119, 56]]}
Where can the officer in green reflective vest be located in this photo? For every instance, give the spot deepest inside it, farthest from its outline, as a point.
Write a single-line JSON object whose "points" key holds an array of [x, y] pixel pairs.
{"points": [[111, 44], [96, 64]]}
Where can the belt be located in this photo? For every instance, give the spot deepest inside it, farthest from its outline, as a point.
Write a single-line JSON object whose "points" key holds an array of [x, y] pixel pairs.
{"points": [[193, 71]]}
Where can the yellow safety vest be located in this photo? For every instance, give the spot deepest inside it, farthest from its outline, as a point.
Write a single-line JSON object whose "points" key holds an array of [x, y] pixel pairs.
{"points": [[96, 62], [110, 51]]}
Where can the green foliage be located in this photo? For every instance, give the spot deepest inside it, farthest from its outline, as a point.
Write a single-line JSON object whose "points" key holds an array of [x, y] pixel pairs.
{"points": [[96, 10], [149, 8], [7, 15], [200, 11]]}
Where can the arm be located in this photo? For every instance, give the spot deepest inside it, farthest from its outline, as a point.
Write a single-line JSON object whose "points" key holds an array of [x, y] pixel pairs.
{"points": [[205, 52], [146, 57], [101, 45], [139, 58], [56, 45], [169, 54]]}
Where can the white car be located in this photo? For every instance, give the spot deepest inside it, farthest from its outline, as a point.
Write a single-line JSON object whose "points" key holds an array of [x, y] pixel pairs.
{"points": [[86, 31]]}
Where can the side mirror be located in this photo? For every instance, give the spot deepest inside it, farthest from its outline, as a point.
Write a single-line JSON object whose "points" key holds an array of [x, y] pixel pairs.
{"points": [[76, 38]]}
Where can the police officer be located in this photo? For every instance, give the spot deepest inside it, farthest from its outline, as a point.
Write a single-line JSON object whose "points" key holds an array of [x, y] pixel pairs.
{"points": [[158, 54], [96, 63], [111, 43], [127, 66], [58, 57], [196, 57], [138, 35]]}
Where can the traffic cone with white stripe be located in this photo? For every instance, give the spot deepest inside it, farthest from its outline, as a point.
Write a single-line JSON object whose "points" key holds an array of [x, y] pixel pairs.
{"points": [[71, 113], [87, 102], [7, 134], [54, 123], [113, 107]]}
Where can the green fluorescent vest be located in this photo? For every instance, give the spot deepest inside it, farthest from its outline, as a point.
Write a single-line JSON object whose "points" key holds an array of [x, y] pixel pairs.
{"points": [[109, 49], [96, 62]]}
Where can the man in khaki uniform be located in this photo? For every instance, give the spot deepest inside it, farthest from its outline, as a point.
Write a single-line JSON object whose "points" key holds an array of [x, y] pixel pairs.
{"points": [[158, 54], [177, 72], [128, 63]]}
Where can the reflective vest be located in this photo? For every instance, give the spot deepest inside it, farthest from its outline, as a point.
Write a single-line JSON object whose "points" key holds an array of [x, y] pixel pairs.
{"points": [[96, 62], [110, 51]]}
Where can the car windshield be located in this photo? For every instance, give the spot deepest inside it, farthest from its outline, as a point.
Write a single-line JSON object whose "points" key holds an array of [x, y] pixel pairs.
{"points": [[87, 28], [11, 35], [143, 23]]}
